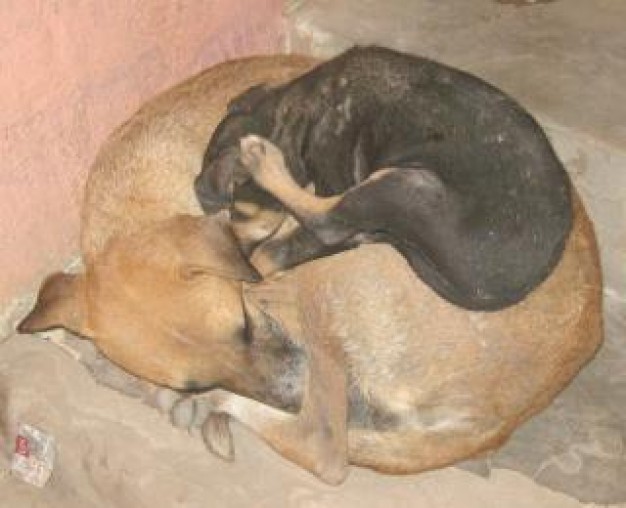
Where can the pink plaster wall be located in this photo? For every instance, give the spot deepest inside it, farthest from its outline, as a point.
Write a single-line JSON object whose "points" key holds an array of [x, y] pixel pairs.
{"points": [[70, 71]]}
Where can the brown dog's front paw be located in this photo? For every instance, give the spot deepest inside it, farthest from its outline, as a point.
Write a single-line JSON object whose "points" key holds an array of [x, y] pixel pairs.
{"points": [[183, 412], [217, 436], [332, 473]]}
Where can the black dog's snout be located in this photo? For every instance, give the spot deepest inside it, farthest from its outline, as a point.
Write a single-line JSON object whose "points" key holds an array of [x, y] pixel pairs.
{"points": [[215, 185], [210, 201]]}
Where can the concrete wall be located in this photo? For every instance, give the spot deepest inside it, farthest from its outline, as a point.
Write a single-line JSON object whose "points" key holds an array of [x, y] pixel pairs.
{"points": [[70, 71]]}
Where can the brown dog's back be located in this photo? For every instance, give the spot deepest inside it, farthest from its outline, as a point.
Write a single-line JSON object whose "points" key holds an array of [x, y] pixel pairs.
{"points": [[514, 360], [145, 171], [444, 383]]}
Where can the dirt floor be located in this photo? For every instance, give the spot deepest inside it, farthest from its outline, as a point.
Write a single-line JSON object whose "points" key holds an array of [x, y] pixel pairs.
{"points": [[114, 450]]}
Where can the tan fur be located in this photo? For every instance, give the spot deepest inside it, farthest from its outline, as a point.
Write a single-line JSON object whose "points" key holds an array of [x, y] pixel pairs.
{"points": [[481, 374], [145, 170], [162, 297]]}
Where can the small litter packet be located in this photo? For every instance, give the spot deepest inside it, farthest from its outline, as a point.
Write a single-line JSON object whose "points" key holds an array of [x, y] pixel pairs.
{"points": [[33, 458]]}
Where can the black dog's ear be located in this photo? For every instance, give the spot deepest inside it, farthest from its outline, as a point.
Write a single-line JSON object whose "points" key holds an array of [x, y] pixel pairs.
{"points": [[246, 102]]}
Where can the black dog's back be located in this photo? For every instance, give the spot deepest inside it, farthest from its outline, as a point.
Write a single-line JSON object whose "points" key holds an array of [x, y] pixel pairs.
{"points": [[492, 221]]}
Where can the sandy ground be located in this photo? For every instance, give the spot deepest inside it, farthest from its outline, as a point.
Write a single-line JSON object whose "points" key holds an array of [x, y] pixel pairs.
{"points": [[113, 450]]}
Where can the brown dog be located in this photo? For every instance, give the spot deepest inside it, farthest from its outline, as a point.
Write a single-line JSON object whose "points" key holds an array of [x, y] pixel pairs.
{"points": [[348, 359]]}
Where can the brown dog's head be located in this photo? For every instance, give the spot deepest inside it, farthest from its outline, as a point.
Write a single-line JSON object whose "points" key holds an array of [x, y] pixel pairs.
{"points": [[162, 303]]}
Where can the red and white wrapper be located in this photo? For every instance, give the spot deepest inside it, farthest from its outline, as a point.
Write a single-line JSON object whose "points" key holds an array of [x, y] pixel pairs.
{"points": [[33, 458]]}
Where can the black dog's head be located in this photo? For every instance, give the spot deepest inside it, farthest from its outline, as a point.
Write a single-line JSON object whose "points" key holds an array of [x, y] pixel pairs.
{"points": [[221, 168]]}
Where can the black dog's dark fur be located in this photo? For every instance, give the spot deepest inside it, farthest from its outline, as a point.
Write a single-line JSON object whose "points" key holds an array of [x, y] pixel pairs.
{"points": [[480, 205]]}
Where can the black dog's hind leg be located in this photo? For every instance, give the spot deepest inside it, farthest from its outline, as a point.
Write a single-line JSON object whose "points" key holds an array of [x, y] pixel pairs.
{"points": [[318, 229], [409, 208], [290, 246]]}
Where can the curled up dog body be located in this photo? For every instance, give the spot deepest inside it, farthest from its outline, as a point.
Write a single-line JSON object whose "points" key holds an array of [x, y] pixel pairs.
{"points": [[449, 170], [348, 359]]}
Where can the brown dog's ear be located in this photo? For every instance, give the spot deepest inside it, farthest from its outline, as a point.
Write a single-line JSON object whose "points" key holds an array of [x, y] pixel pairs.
{"points": [[60, 304], [230, 258]]}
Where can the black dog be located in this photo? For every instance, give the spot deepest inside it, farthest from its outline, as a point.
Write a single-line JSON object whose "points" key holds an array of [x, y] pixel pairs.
{"points": [[473, 194]]}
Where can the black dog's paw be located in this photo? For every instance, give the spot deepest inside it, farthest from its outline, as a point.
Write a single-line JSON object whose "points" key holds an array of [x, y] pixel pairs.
{"points": [[264, 161]]}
